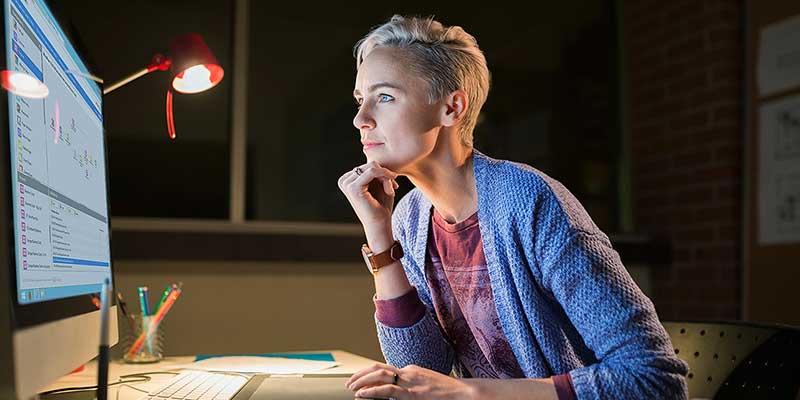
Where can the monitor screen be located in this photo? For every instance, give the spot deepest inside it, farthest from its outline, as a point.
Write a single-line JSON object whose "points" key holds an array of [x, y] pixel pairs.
{"points": [[58, 174], [53, 202]]}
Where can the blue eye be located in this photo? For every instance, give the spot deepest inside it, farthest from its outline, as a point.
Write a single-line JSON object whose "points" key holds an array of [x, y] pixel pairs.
{"points": [[384, 98]]}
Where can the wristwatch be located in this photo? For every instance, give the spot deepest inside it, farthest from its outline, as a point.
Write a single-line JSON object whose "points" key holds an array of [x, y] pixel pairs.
{"points": [[380, 260]]}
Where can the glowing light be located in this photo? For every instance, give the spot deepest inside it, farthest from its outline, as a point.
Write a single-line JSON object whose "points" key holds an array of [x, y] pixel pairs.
{"points": [[198, 78], [24, 85]]}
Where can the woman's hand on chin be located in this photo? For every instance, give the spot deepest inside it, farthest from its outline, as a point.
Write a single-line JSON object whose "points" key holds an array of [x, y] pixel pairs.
{"points": [[370, 190]]}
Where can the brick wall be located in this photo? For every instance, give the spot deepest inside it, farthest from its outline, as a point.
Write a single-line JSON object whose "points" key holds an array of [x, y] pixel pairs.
{"points": [[684, 80]]}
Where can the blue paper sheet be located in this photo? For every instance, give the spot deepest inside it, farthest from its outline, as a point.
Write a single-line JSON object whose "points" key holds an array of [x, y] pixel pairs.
{"points": [[296, 356]]}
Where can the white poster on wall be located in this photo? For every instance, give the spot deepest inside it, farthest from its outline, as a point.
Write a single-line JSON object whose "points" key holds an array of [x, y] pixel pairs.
{"points": [[779, 56], [779, 171]]}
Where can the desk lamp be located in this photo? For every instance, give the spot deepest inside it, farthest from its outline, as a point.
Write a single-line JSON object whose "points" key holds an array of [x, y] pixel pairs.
{"points": [[192, 66], [191, 63]]}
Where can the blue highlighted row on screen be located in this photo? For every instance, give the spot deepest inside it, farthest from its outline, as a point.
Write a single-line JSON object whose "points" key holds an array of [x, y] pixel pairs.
{"points": [[77, 261]]}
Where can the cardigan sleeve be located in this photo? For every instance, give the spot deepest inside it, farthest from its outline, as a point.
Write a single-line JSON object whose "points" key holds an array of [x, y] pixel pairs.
{"points": [[420, 344], [616, 320]]}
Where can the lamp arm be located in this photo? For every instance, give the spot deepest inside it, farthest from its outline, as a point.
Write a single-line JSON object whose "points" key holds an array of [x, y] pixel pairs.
{"points": [[126, 80], [159, 62]]}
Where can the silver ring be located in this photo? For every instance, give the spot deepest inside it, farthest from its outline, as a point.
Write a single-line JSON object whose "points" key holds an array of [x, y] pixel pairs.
{"points": [[359, 171]]}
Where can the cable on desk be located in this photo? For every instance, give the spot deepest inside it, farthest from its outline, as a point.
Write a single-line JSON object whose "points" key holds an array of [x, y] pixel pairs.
{"points": [[142, 375], [145, 374], [93, 387]]}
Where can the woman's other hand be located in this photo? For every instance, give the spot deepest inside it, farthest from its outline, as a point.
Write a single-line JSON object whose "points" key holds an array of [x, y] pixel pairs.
{"points": [[411, 382]]}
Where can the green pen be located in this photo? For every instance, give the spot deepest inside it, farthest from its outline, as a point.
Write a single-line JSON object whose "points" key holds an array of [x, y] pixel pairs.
{"points": [[163, 298]]}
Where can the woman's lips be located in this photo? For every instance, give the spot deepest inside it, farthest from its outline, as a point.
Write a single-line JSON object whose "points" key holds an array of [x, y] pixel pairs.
{"points": [[368, 146]]}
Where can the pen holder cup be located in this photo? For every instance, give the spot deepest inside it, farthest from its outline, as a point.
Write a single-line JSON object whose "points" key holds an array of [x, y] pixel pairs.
{"points": [[143, 343]]}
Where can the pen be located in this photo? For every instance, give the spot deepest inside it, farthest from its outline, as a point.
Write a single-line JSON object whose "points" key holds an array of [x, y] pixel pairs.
{"points": [[123, 306], [163, 298], [172, 289], [159, 315], [143, 300]]}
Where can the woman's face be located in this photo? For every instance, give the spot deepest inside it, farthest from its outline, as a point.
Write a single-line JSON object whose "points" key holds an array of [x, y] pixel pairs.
{"points": [[397, 125]]}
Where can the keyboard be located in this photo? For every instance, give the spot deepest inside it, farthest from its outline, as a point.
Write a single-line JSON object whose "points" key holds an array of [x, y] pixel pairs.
{"points": [[199, 385]]}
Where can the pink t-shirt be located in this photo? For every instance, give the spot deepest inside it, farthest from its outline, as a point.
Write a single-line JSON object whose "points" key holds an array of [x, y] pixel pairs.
{"points": [[463, 300], [461, 292]]}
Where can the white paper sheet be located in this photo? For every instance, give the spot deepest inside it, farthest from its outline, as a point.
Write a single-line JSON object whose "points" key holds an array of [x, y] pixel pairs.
{"points": [[779, 172], [263, 365], [779, 56]]}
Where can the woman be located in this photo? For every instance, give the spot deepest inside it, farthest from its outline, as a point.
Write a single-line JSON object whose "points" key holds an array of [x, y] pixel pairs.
{"points": [[488, 268]]}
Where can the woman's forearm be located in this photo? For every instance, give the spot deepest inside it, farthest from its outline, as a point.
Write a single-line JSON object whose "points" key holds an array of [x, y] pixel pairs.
{"points": [[511, 389], [390, 281]]}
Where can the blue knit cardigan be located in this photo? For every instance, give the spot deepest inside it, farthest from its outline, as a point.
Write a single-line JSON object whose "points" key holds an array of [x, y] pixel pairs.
{"points": [[565, 301]]}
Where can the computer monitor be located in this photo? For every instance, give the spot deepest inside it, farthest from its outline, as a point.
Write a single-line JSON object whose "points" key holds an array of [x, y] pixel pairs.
{"points": [[55, 241]]}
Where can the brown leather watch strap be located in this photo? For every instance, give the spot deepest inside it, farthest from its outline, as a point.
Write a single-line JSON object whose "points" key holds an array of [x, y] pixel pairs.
{"points": [[384, 258]]}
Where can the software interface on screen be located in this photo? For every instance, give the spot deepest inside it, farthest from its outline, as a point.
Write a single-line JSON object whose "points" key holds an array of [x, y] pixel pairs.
{"points": [[58, 162]]}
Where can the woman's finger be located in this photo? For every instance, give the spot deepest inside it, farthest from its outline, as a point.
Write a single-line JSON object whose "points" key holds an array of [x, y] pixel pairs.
{"points": [[351, 175], [362, 181], [383, 391], [372, 368], [348, 178], [374, 378], [388, 187]]}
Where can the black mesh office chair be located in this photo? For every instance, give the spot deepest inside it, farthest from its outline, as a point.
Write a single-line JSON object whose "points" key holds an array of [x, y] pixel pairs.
{"points": [[736, 360]]}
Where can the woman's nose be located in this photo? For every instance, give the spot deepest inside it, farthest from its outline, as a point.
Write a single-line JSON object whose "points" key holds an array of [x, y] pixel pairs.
{"points": [[363, 121]]}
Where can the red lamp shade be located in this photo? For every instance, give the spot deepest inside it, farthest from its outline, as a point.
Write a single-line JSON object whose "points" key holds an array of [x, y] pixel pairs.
{"points": [[194, 68]]}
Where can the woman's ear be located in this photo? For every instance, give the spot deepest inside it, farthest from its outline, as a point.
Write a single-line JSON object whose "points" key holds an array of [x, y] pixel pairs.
{"points": [[455, 106]]}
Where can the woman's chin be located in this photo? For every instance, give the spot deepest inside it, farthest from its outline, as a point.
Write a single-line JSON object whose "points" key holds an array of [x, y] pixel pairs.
{"points": [[384, 162], [376, 157]]}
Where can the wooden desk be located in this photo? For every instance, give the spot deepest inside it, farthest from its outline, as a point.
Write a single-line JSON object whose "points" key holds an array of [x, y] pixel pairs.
{"points": [[349, 364]]}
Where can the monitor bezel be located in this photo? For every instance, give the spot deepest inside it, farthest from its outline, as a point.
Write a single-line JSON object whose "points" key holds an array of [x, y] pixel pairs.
{"points": [[32, 314]]}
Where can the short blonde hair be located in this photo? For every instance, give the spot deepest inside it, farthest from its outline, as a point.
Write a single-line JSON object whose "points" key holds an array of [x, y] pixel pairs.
{"points": [[447, 58]]}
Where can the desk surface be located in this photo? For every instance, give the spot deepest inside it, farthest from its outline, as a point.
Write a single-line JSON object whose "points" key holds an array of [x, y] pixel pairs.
{"points": [[349, 364]]}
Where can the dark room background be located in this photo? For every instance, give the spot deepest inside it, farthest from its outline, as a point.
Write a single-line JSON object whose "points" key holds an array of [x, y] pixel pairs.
{"points": [[553, 102], [636, 106]]}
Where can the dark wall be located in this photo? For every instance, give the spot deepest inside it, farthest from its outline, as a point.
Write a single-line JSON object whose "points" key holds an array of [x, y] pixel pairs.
{"points": [[684, 63], [151, 175], [553, 100], [552, 104]]}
